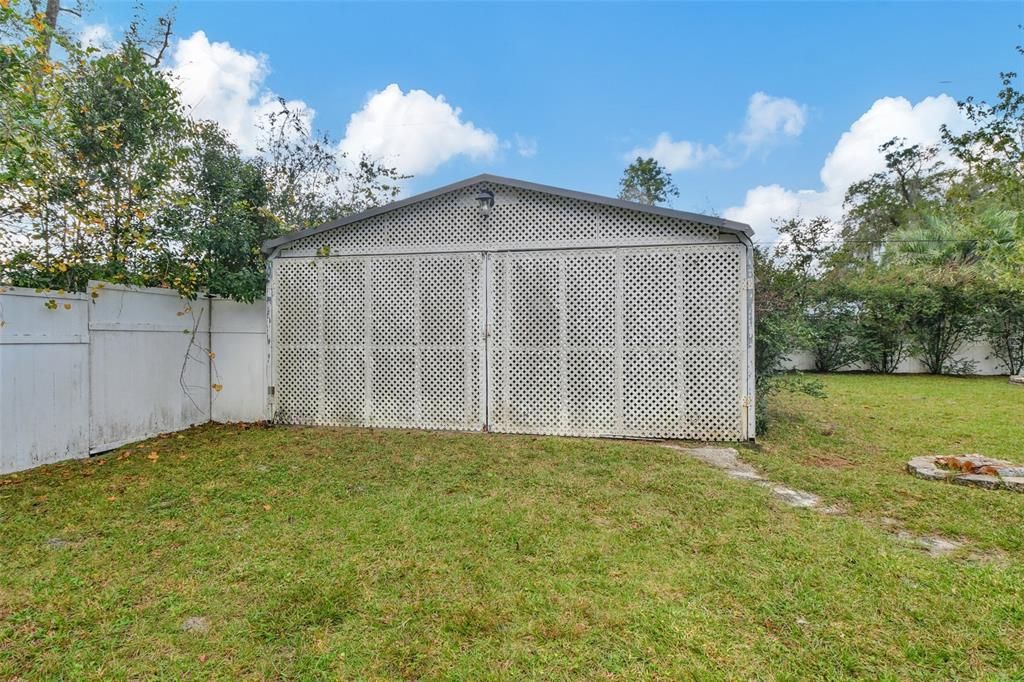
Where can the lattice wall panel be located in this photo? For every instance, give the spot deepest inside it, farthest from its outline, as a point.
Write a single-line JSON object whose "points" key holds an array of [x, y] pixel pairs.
{"points": [[629, 342], [298, 315], [391, 341], [521, 219]]}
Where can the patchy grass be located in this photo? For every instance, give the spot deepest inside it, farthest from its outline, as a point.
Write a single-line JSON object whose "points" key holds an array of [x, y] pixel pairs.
{"points": [[852, 446], [384, 554]]}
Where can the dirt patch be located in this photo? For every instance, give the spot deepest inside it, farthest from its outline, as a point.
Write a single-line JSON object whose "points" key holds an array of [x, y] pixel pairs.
{"points": [[196, 624], [935, 545]]}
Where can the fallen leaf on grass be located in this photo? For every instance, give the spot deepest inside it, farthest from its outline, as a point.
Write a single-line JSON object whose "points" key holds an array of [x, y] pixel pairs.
{"points": [[266, 507], [152, 457]]}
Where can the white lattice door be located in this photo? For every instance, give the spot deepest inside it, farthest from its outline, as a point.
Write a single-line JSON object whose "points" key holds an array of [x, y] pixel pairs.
{"points": [[623, 342], [380, 341], [633, 341]]}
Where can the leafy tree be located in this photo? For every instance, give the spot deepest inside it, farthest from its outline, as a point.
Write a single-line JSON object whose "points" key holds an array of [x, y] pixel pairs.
{"points": [[807, 245], [943, 318], [1001, 322], [37, 164], [914, 181], [310, 181], [648, 182], [992, 148], [980, 246], [808, 248], [127, 147], [832, 322], [882, 332], [939, 258], [226, 218], [780, 300], [103, 177]]}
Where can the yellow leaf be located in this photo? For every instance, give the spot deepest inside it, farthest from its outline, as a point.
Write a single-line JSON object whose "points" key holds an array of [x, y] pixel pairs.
{"points": [[152, 457], [67, 306], [212, 355], [216, 387], [266, 507]]}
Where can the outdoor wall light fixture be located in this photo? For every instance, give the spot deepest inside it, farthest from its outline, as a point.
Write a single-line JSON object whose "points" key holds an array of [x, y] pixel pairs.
{"points": [[485, 202]]}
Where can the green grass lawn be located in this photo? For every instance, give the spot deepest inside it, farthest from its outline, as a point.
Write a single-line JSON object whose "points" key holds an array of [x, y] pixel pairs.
{"points": [[344, 553]]}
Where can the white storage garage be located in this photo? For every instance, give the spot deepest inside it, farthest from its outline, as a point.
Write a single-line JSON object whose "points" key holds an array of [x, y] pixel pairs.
{"points": [[499, 304]]}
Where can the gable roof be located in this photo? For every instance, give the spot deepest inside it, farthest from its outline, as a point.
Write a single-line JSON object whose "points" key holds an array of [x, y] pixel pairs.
{"points": [[721, 223]]}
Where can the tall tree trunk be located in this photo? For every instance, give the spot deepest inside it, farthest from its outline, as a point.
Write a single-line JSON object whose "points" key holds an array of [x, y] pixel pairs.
{"points": [[50, 19]]}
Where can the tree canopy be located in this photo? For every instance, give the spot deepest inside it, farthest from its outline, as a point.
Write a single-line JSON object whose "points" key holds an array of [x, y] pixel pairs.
{"points": [[103, 175], [647, 182]]}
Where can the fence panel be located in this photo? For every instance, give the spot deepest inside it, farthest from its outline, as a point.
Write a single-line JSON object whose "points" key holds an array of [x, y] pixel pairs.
{"points": [[240, 362], [85, 373], [149, 375], [44, 378]]}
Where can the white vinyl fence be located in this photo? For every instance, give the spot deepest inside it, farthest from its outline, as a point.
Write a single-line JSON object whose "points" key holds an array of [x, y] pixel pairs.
{"points": [[980, 352], [85, 373]]}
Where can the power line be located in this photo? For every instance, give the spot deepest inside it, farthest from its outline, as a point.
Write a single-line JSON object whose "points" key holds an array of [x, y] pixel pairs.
{"points": [[936, 241]]}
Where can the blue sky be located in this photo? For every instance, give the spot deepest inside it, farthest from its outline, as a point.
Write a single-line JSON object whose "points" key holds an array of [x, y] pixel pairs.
{"points": [[560, 93]]}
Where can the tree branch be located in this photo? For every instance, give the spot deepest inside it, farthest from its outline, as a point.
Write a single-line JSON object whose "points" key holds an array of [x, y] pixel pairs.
{"points": [[168, 24]]}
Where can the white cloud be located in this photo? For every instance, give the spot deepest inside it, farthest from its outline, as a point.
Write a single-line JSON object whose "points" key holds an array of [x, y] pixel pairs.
{"points": [[226, 85], [770, 118], [526, 146], [676, 155], [854, 157], [412, 130], [415, 131], [767, 120], [96, 36]]}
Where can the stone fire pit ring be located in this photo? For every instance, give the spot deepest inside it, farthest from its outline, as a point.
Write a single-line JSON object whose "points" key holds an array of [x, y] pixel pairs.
{"points": [[975, 470]]}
